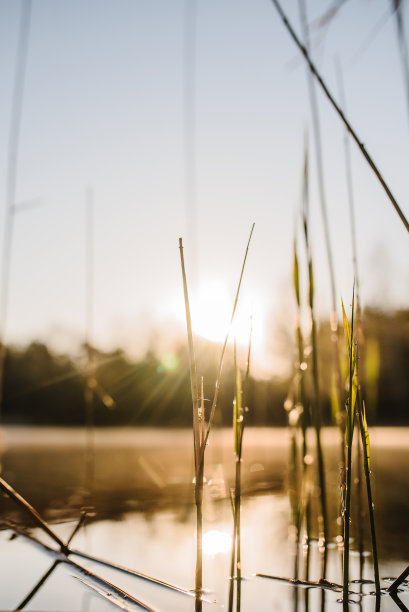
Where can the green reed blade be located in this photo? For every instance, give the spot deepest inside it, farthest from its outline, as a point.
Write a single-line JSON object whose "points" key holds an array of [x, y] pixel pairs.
{"points": [[365, 439], [296, 277], [346, 327]]}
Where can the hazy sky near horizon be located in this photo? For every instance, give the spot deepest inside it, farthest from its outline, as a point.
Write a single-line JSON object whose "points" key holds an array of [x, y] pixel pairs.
{"points": [[104, 108]]}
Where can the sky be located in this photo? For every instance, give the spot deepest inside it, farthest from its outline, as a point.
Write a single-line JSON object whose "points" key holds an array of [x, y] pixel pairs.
{"points": [[187, 119]]}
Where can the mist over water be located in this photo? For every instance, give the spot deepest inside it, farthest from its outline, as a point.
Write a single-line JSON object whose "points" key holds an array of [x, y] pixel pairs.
{"points": [[143, 515]]}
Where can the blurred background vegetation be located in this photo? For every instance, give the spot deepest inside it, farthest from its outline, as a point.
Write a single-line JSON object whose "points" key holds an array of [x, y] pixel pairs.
{"points": [[42, 388]]}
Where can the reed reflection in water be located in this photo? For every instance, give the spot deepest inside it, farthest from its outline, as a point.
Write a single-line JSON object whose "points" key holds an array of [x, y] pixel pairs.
{"points": [[144, 517]]}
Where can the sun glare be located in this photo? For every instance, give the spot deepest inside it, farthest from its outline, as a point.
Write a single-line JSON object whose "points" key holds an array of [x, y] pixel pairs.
{"points": [[216, 542], [211, 313]]}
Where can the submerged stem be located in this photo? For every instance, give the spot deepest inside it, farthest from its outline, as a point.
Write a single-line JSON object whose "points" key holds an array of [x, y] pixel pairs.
{"points": [[199, 538], [347, 517]]}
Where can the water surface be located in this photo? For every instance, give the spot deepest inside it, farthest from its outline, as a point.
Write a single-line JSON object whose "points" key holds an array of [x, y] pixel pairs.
{"points": [[143, 517]]}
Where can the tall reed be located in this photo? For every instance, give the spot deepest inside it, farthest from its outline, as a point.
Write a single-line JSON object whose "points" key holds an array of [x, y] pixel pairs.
{"points": [[240, 408], [336, 365], [363, 426], [360, 334], [301, 364], [301, 502], [316, 407], [403, 46], [297, 418], [200, 432], [358, 141], [350, 409], [355, 401], [89, 320]]}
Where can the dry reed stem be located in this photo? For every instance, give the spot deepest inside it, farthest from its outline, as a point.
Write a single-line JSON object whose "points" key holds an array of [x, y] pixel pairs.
{"points": [[29, 509]]}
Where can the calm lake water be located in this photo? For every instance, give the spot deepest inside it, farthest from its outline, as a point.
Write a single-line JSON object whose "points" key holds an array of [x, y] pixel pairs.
{"points": [[143, 517]]}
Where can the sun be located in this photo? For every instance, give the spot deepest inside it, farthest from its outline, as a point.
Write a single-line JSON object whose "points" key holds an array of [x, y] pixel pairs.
{"points": [[211, 305], [211, 309]]}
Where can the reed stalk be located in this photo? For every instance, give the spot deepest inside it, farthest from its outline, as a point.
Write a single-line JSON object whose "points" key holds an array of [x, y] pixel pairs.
{"points": [[201, 430], [336, 365], [338, 110], [301, 364], [363, 426], [307, 558], [32, 512], [240, 407], [304, 502], [355, 400], [316, 408], [359, 510], [199, 462], [403, 47], [352, 393], [294, 485], [37, 586], [90, 373], [117, 596], [349, 183], [219, 371]]}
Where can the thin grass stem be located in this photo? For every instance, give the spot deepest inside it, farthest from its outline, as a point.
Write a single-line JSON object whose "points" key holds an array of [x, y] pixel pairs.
{"points": [[29, 509], [192, 364], [197, 442], [316, 408], [324, 214], [37, 586], [403, 47], [219, 371], [349, 333], [118, 596]]}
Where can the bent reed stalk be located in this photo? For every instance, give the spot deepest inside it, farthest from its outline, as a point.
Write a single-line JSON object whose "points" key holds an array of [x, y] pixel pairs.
{"points": [[201, 432], [350, 129]]}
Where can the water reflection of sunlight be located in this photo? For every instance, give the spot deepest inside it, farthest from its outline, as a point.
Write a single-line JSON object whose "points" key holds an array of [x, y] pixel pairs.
{"points": [[216, 542]]}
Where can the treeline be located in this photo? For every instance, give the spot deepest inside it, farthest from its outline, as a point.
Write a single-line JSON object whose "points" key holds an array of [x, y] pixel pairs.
{"points": [[43, 388]]}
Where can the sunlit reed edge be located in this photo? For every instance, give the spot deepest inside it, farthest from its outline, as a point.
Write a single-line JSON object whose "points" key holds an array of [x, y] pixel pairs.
{"points": [[349, 335]]}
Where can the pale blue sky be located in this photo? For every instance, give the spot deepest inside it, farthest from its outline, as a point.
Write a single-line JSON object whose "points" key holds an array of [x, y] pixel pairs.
{"points": [[103, 107]]}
